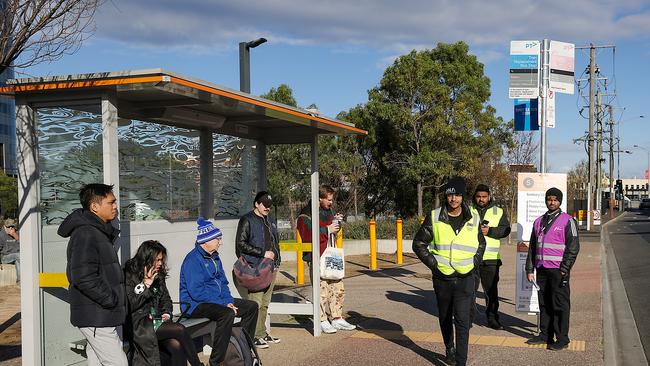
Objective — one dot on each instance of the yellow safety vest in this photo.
(493, 215)
(454, 253)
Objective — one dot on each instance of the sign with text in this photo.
(525, 293)
(561, 62)
(526, 115)
(550, 109)
(524, 69)
(531, 203)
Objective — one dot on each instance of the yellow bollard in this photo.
(339, 238)
(373, 245)
(300, 264)
(399, 241)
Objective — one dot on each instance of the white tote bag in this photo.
(332, 262)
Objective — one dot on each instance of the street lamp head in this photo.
(255, 43)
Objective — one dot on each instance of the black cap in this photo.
(264, 198)
(455, 185)
(554, 192)
(482, 188)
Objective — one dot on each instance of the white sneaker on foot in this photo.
(326, 327)
(341, 324)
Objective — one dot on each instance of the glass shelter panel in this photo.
(69, 155)
(235, 177)
(159, 172)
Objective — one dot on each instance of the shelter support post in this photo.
(206, 173)
(315, 236)
(28, 191)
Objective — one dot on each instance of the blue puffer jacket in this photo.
(203, 280)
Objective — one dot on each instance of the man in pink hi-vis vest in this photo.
(552, 252)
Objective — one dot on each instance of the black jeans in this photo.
(455, 298)
(489, 281)
(554, 305)
(224, 317)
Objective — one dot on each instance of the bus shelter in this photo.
(174, 148)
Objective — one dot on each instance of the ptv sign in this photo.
(524, 70)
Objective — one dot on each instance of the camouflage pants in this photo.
(332, 295)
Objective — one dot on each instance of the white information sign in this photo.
(524, 70)
(526, 293)
(550, 109)
(531, 190)
(562, 59)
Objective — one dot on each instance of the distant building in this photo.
(7, 129)
(635, 188)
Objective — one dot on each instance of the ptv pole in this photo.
(543, 100)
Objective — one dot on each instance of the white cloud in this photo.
(388, 25)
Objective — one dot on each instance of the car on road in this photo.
(644, 204)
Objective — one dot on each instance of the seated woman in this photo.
(148, 328)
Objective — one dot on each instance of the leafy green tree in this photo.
(428, 120)
(8, 195)
(287, 164)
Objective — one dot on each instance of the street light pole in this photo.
(245, 63)
(245, 86)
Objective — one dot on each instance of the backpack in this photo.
(241, 350)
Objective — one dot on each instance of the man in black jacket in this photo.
(494, 226)
(97, 295)
(257, 238)
(451, 244)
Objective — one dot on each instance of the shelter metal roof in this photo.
(161, 96)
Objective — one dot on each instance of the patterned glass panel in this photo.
(159, 172)
(69, 155)
(235, 175)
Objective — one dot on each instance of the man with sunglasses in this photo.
(10, 246)
(256, 239)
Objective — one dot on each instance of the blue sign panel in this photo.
(526, 115)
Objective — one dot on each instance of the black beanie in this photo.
(554, 192)
(482, 188)
(455, 185)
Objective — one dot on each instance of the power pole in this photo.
(599, 150)
(611, 161)
(592, 109)
(543, 101)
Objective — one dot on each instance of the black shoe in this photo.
(494, 324)
(450, 356)
(538, 339)
(557, 346)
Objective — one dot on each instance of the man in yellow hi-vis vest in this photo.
(451, 244)
(494, 225)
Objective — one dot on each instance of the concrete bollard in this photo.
(373, 244)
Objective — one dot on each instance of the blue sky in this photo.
(332, 52)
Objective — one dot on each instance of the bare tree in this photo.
(35, 31)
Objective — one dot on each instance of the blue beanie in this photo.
(207, 231)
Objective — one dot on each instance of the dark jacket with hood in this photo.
(96, 290)
(138, 329)
(502, 230)
(424, 236)
(255, 235)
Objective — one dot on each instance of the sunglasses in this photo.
(10, 227)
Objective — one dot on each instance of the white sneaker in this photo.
(326, 327)
(341, 324)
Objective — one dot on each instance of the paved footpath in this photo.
(394, 308)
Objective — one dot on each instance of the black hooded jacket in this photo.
(96, 279)
(424, 236)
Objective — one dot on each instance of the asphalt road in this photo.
(630, 241)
